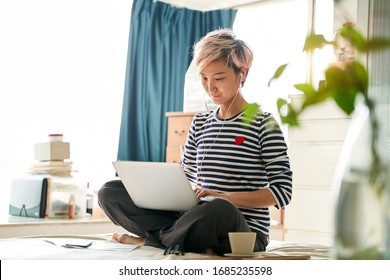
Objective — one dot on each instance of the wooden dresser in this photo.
(178, 127)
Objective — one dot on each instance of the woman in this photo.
(239, 168)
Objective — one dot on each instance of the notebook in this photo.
(156, 185)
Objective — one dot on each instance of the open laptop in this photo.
(156, 185)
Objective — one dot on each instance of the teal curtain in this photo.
(159, 53)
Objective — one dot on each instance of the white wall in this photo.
(62, 68)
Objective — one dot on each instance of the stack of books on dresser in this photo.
(52, 157)
(53, 167)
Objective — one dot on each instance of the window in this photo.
(276, 32)
(62, 70)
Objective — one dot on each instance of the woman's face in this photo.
(220, 82)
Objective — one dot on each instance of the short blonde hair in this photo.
(221, 44)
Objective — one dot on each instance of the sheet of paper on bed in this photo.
(81, 243)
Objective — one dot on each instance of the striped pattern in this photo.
(234, 156)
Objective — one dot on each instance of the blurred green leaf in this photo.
(315, 41)
(281, 103)
(250, 112)
(288, 115)
(278, 73)
(316, 98)
(356, 39)
(345, 100)
(311, 95)
(337, 78)
(341, 84)
(375, 44)
(359, 76)
(307, 89)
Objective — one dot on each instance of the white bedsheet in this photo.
(37, 248)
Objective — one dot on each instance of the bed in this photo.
(52, 247)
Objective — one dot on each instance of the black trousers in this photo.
(204, 226)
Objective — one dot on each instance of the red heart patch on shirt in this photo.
(239, 140)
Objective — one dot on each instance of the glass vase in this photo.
(362, 196)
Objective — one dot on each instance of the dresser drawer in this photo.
(173, 154)
(311, 209)
(319, 130)
(178, 127)
(314, 164)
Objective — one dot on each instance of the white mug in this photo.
(242, 243)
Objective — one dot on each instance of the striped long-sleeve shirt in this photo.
(233, 156)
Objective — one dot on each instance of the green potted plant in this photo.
(362, 187)
(347, 84)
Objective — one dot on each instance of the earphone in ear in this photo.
(241, 77)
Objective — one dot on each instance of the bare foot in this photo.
(210, 251)
(128, 239)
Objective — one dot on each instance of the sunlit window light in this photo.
(62, 71)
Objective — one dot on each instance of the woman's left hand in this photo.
(253, 199)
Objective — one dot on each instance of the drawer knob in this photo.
(180, 133)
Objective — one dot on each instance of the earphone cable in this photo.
(216, 138)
